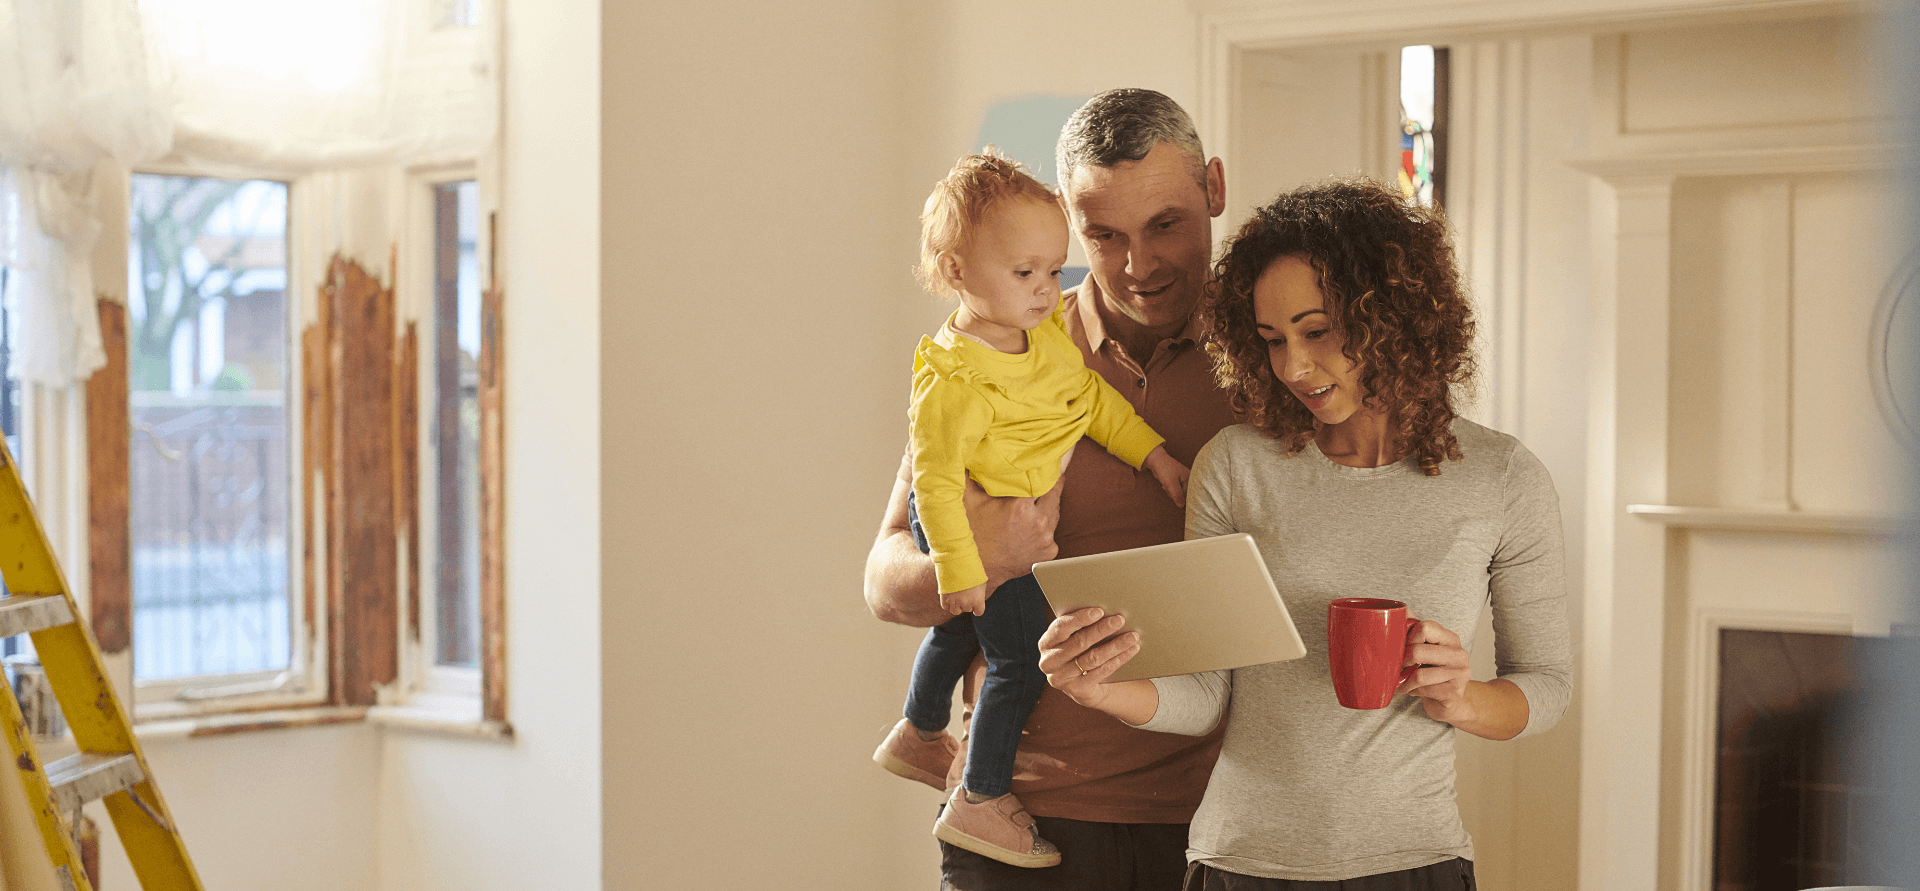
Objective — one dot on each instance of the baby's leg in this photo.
(944, 657)
(1017, 614)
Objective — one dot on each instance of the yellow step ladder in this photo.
(109, 764)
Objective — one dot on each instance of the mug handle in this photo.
(1408, 670)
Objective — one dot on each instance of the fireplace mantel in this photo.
(1800, 522)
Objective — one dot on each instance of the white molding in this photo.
(1775, 298)
(1623, 647)
(1253, 24)
(1486, 202)
(1790, 522)
(1746, 162)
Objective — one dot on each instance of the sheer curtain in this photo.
(279, 87)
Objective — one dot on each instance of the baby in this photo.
(1000, 396)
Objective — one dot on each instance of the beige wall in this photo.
(763, 169)
(753, 226)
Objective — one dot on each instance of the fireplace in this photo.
(1794, 801)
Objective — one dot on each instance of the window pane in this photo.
(456, 422)
(1423, 106)
(9, 387)
(207, 366)
(9, 409)
(455, 13)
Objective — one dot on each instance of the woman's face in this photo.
(1290, 314)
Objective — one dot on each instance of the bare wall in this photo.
(763, 168)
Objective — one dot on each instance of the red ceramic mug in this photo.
(1366, 649)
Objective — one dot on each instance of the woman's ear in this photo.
(949, 266)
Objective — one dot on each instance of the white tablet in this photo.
(1199, 605)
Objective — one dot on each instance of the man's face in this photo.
(1145, 225)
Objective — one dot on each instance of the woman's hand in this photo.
(1496, 710)
(1440, 680)
(1083, 648)
(1075, 660)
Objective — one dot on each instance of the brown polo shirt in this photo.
(1075, 762)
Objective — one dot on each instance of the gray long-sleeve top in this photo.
(1306, 789)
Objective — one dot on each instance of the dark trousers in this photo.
(1093, 857)
(1447, 875)
(1009, 633)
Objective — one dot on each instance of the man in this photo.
(1140, 195)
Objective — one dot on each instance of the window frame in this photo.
(306, 680)
(429, 685)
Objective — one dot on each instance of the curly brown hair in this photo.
(1386, 269)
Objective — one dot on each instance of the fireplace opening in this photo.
(1794, 801)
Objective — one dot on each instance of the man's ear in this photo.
(949, 265)
(1216, 188)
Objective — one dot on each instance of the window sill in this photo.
(439, 722)
(246, 722)
(405, 719)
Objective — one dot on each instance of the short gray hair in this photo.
(1124, 125)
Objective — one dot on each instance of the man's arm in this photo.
(1011, 533)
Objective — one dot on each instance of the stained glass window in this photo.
(1423, 110)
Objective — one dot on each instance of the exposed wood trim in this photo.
(406, 482)
(284, 721)
(364, 619)
(316, 406)
(493, 577)
(109, 441)
(388, 718)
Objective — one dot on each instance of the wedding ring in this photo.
(1076, 664)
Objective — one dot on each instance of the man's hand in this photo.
(1170, 472)
(1011, 534)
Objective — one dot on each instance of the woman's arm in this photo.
(1532, 650)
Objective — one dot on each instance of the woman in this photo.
(1340, 329)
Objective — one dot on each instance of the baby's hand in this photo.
(1171, 473)
(972, 600)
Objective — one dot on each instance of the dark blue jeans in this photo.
(1009, 634)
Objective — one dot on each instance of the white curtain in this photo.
(280, 87)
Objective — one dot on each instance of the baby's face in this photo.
(1010, 275)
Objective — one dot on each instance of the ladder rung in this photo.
(90, 776)
(27, 613)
